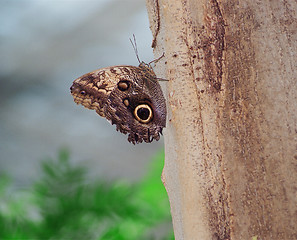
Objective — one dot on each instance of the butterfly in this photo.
(128, 96)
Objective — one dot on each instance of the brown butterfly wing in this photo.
(142, 89)
(128, 96)
(93, 89)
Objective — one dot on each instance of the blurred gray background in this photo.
(44, 46)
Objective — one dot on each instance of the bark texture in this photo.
(231, 136)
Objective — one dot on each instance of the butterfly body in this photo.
(128, 96)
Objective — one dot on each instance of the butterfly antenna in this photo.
(134, 45)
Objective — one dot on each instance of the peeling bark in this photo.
(231, 137)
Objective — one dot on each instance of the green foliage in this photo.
(65, 204)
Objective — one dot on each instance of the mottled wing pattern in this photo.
(93, 89)
(128, 96)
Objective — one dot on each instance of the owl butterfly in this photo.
(129, 97)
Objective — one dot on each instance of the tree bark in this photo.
(230, 142)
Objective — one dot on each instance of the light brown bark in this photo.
(230, 142)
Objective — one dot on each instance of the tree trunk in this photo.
(230, 142)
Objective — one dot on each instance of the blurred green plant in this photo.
(65, 204)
